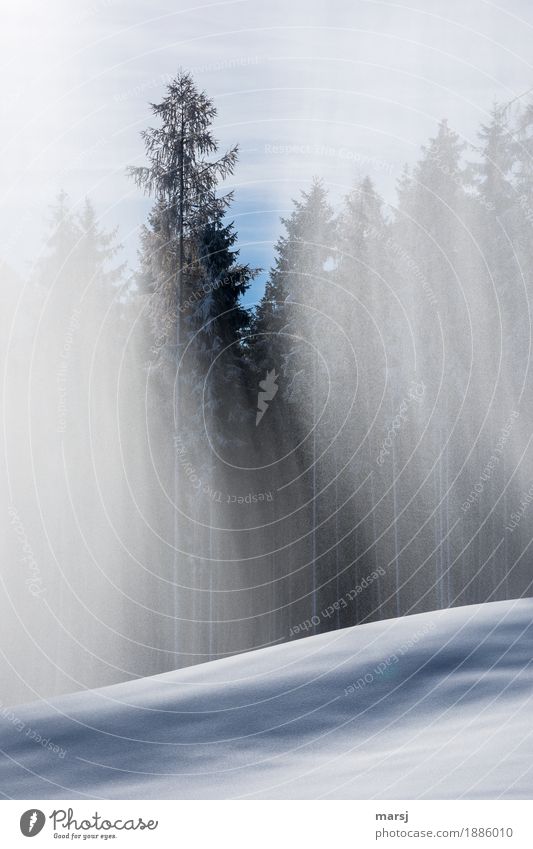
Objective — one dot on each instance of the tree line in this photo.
(353, 447)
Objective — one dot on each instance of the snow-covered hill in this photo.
(437, 705)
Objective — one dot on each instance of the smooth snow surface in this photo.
(443, 709)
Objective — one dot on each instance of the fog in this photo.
(374, 461)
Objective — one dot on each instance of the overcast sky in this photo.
(337, 89)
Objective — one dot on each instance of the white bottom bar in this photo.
(268, 824)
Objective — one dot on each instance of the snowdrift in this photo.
(436, 705)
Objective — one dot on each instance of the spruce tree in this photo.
(365, 312)
(194, 281)
(432, 227)
(290, 327)
(182, 179)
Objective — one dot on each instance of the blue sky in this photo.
(335, 89)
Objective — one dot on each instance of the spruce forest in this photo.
(350, 446)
